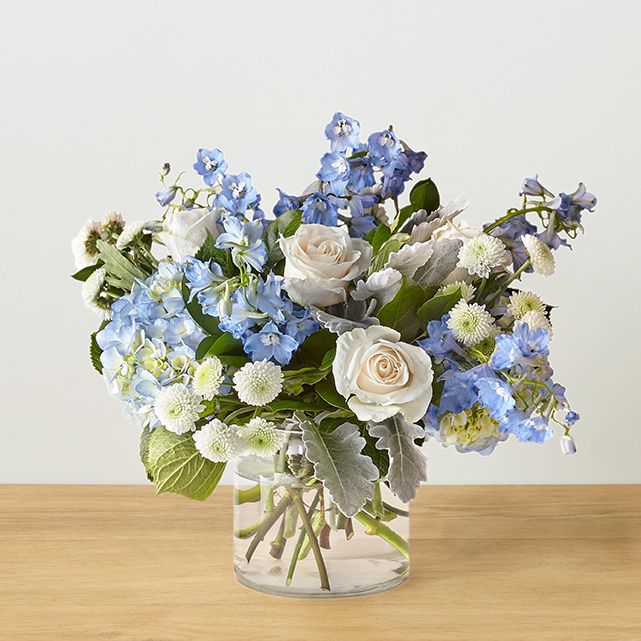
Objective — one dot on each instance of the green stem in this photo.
(322, 570)
(396, 510)
(246, 532)
(375, 527)
(300, 541)
(248, 495)
(266, 525)
(513, 213)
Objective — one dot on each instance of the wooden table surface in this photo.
(489, 563)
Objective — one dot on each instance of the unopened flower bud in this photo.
(165, 169)
(568, 446)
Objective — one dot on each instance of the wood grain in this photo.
(489, 563)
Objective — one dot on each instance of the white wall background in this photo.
(96, 95)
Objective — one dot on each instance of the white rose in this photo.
(320, 262)
(380, 376)
(184, 232)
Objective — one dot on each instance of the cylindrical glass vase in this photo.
(291, 539)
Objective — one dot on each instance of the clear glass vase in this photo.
(290, 538)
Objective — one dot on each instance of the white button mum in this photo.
(467, 289)
(535, 319)
(216, 442)
(83, 246)
(208, 378)
(258, 383)
(380, 376)
(178, 407)
(131, 232)
(481, 254)
(470, 323)
(93, 295)
(522, 302)
(540, 255)
(261, 437)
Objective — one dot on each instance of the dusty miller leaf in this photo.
(347, 474)
(441, 264)
(347, 316)
(121, 272)
(407, 466)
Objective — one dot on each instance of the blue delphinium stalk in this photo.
(334, 171)
(238, 194)
(319, 209)
(342, 132)
(210, 164)
(245, 241)
(285, 203)
(384, 147)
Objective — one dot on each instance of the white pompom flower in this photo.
(258, 383)
(208, 378)
(467, 290)
(113, 226)
(535, 319)
(132, 232)
(216, 442)
(521, 302)
(178, 407)
(94, 296)
(481, 254)
(540, 255)
(261, 437)
(84, 245)
(470, 323)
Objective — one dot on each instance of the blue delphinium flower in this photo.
(210, 163)
(285, 203)
(268, 297)
(342, 132)
(440, 343)
(570, 206)
(384, 147)
(533, 187)
(201, 276)
(300, 323)
(571, 417)
(395, 174)
(245, 242)
(530, 429)
(319, 209)
(166, 196)
(238, 194)
(270, 344)
(335, 171)
(510, 233)
(416, 160)
(361, 174)
(496, 395)
(520, 347)
(361, 223)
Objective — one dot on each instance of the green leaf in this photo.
(294, 380)
(85, 272)
(222, 257)
(393, 244)
(315, 347)
(328, 359)
(290, 404)
(208, 323)
(176, 465)
(424, 195)
(145, 437)
(120, 270)
(407, 466)
(234, 361)
(401, 313)
(94, 353)
(378, 236)
(347, 474)
(218, 345)
(438, 305)
(327, 391)
(285, 225)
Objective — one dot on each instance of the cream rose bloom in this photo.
(380, 376)
(320, 262)
(184, 232)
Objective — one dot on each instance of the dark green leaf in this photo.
(424, 195)
(208, 323)
(378, 236)
(438, 305)
(285, 225)
(95, 353)
(327, 391)
(392, 244)
(293, 405)
(314, 348)
(401, 313)
(294, 380)
(85, 272)
(234, 361)
(328, 359)
(218, 345)
(222, 257)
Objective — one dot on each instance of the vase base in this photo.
(296, 592)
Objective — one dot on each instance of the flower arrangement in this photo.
(366, 325)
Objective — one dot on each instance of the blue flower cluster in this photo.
(150, 342)
(257, 312)
(355, 177)
(563, 213)
(512, 393)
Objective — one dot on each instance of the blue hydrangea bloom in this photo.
(496, 395)
(319, 209)
(269, 343)
(335, 171)
(459, 390)
(342, 132)
(384, 147)
(530, 429)
(238, 194)
(245, 241)
(210, 163)
(285, 203)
